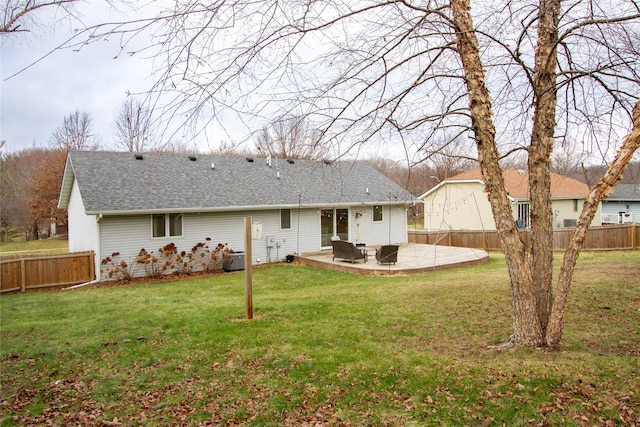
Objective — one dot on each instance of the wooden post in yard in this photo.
(248, 279)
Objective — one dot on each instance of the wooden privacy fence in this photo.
(22, 274)
(626, 236)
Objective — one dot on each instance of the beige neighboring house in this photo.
(461, 203)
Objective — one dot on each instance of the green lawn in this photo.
(35, 247)
(325, 348)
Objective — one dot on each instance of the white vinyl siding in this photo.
(393, 230)
(564, 214)
(459, 206)
(83, 231)
(126, 235)
(465, 206)
(614, 208)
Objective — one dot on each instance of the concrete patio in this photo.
(412, 258)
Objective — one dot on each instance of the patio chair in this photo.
(348, 251)
(387, 254)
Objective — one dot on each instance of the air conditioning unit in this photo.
(233, 262)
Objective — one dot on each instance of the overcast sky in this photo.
(36, 100)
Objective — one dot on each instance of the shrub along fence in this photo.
(21, 274)
(626, 236)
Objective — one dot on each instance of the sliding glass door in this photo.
(334, 222)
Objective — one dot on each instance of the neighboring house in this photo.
(623, 205)
(461, 203)
(123, 202)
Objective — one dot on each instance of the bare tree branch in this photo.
(15, 12)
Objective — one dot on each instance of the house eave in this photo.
(68, 177)
(460, 181)
(479, 181)
(621, 200)
(243, 208)
(581, 196)
(446, 182)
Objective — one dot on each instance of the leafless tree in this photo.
(290, 137)
(567, 159)
(513, 77)
(450, 157)
(75, 133)
(173, 146)
(133, 127)
(416, 179)
(17, 13)
(227, 148)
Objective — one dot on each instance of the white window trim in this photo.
(290, 220)
(167, 227)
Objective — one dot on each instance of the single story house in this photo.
(120, 202)
(623, 205)
(461, 203)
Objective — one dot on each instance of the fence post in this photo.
(634, 244)
(92, 265)
(23, 275)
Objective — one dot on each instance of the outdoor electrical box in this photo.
(256, 231)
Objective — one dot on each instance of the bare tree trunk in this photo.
(544, 124)
(35, 232)
(599, 192)
(526, 324)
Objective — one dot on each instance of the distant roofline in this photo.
(453, 180)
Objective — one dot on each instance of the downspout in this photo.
(81, 285)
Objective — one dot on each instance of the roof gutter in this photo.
(247, 208)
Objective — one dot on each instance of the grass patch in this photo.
(325, 348)
(35, 247)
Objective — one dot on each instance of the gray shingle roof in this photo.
(625, 192)
(116, 182)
